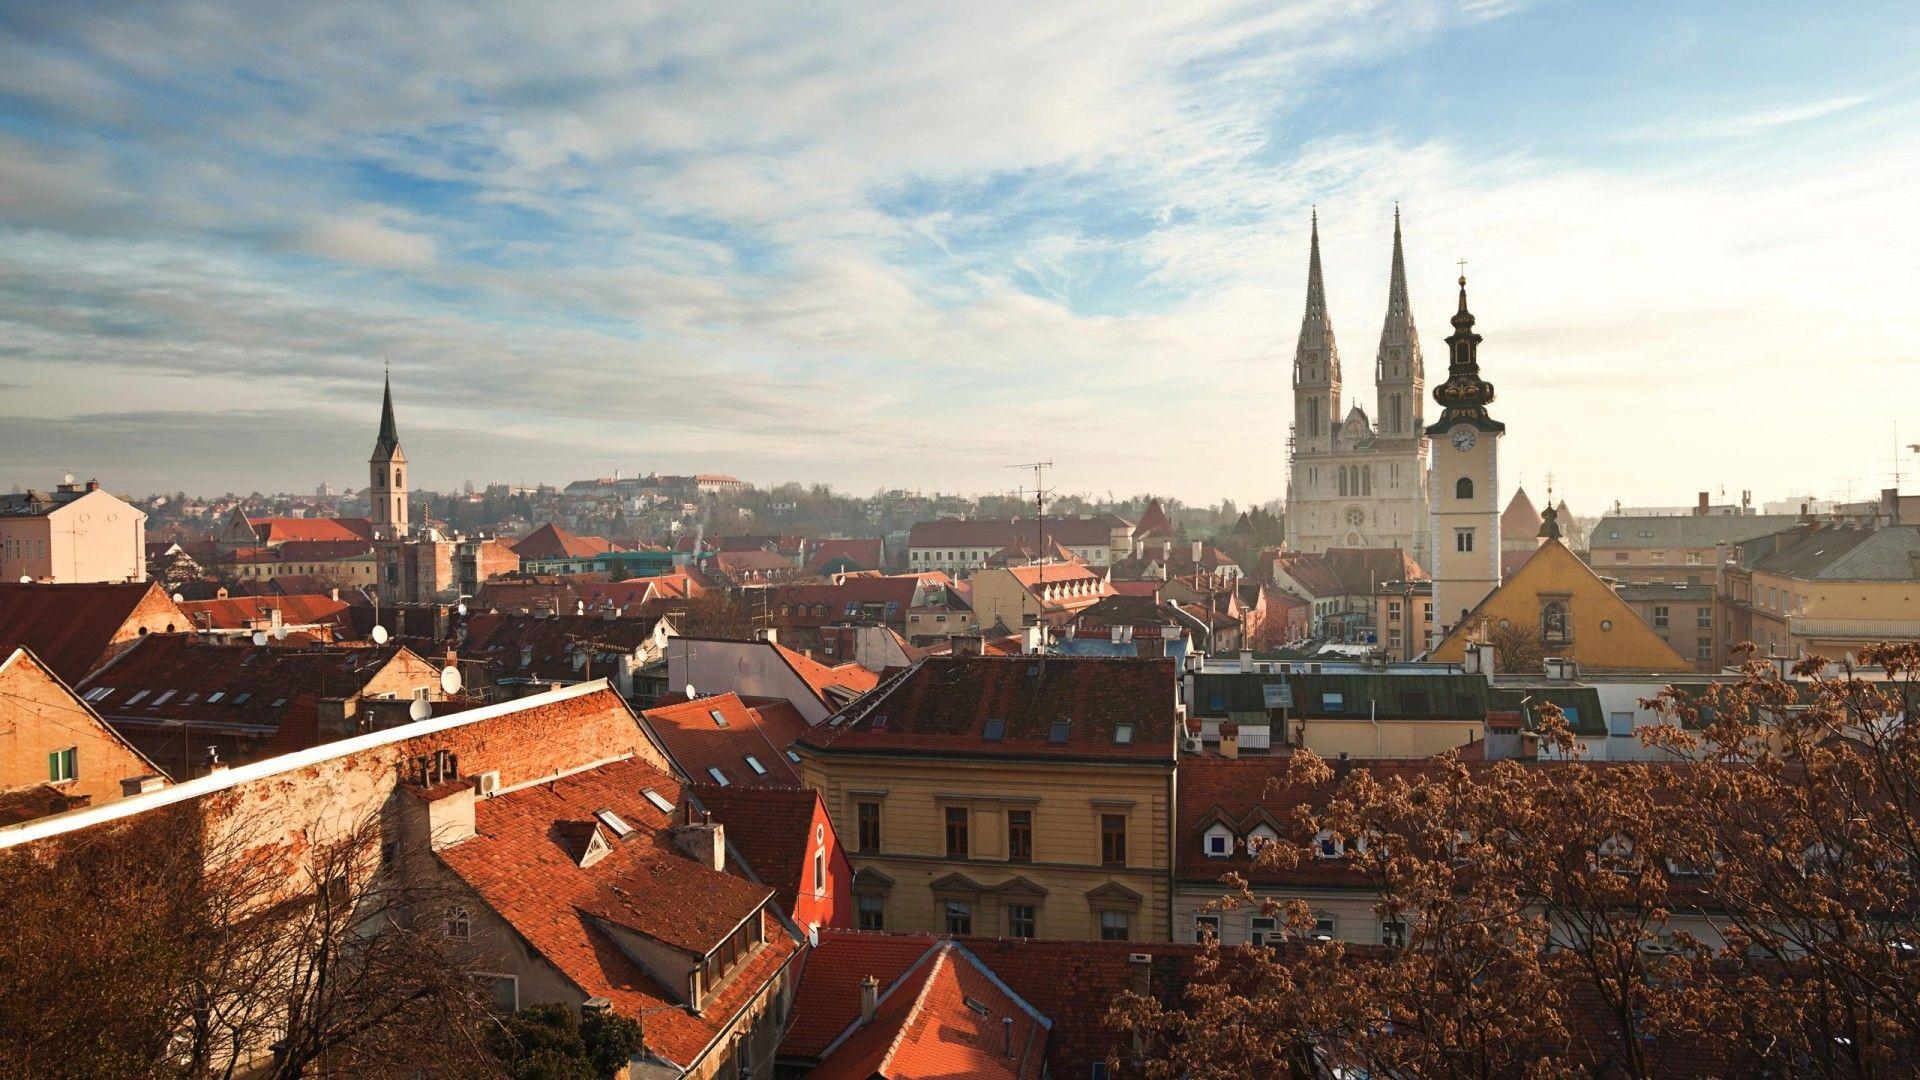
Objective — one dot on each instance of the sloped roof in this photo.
(942, 705)
(1890, 553)
(556, 647)
(170, 678)
(1362, 570)
(550, 541)
(771, 828)
(1520, 518)
(697, 742)
(1690, 531)
(70, 628)
(520, 867)
(824, 681)
(1153, 521)
(996, 533)
(280, 530)
(947, 1017)
(243, 612)
(864, 552)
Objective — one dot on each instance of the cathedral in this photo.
(1350, 483)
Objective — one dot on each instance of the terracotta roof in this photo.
(550, 541)
(944, 705)
(697, 743)
(243, 613)
(886, 599)
(302, 551)
(751, 562)
(1153, 521)
(521, 867)
(770, 828)
(996, 533)
(829, 683)
(1520, 518)
(944, 1018)
(865, 553)
(555, 646)
(71, 628)
(279, 530)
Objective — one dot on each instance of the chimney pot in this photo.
(1006, 1028)
(869, 999)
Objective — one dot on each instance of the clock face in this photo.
(1356, 516)
(1464, 438)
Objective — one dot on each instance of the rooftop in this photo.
(720, 733)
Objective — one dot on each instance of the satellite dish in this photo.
(280, 632)
(26, 579)
(379, 635)
(691, 692)
(462, 609)
(178, 598)
(67, 479)
(259, 637)
(450, 679)
(419, 710)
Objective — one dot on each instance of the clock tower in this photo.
(1464, 481)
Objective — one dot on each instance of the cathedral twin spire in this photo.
(1399, 374)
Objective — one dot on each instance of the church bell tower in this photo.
(387, 469)
(1464, 481)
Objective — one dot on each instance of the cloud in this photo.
(368, 241)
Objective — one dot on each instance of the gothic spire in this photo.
(1399, 372)
(1316, 358)
(389, 439)
(1316, 289)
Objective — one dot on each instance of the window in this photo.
(1206, 928)
(99, 693)
(1393, 611)
(503, 993)
(873, 909)
(165, 697)
(1057, 734)
(1021, 921)
(1219, 842)
(1463, 488)
(459, 924)
(1619, 556)
(1115, 926)
(959, 917)
(1113, 839)
(867, 814)
(1660, 618)
(1703, 649)
(793, 757)
(1123, 734)
(614, 822)
(1020, 835)
(820, 872)
(1097, 1070)
(1620, 723)
(995, 731)
(1333, 703)
(957, 832)
(1325, 845)
(718, 776)
(659, 801)
(1463, 539)
(1323, 926)
(1693, 558)
(1657, 556)
(1703, 618)
(754, 764)
(1393, 934)
(135, 699)
(718, 720)
(215, 697)
(63, 764)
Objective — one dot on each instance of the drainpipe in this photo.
(1372, 718)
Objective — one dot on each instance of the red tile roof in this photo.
(243, 613)
(255, 686)
(847, 679)
(945, 1018)
(1153, 521)
(72, 628)
(696, 743)
(554, 647)
(550, 541)
(819, 604)
(865, 553)
(273, 530)
(733, 563)
(299, 551)
(771, 828)
(942, 705)
(519, 866)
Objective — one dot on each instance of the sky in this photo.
(909, 245)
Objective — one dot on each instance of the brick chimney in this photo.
(869, 999)
(705, 843)
(1700, 509)
(1140, 973)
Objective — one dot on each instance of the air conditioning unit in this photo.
(487, 784)
(1193, 744)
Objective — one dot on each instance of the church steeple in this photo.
(1399, 373)
(1316, 361)
(1465, 395)
(387, 471)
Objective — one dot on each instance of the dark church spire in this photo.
(389, 440)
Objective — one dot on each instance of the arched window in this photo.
(1463, 488)
(1555, 628)
(1366, 479)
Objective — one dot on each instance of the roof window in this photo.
(214, 698)
(976, 1005)
(754, 764)
(613, 821)
(135, 699)
(880, 722)
(240, 699)
(995, 731)
(277, 702)
(99, 693)
(718, 776)
(793, 757)
(1058, 732)
(1123, 734)
(658, 800)
(161, 700)
(718, 720)
(1332, 702)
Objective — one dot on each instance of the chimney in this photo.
(768, 634)
(1246, 661)
(965, 644)
(869, 999)
(705, 843)
(93, 485)
(1889, 506)
(1342, 765)
(1006, 1038)
(1701, 509)
(1140, 973)
(1197, 544)
(1229, 740)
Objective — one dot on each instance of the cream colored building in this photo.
(1465, 481)
(77, 534)
(1822, 590)
(1044, 593)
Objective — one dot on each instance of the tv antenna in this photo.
(1040, 494)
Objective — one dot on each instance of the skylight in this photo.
(1058, 732)
(277, 702)
(240, 699)
(215, 697)
(135, 699)
(995, 731)
(793, 757)
(718, 720)
(613, 821)
(659, 801)
(161, 700)
(1123, 734)
(718, 776)
(99, 693)
(1333, 702)
(754, 764)
(976, 1005)
(880, 722)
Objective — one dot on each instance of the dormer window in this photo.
(1219, 842)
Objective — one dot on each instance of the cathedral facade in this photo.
(1355, 481)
